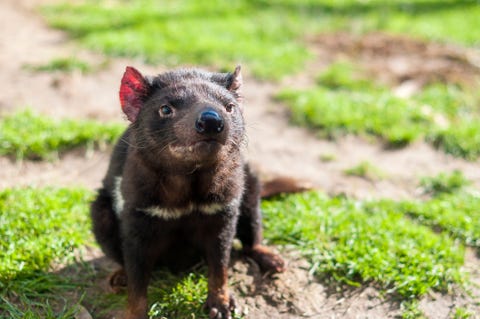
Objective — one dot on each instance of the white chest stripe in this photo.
(118, 201)
(175, 213)
(166, 213)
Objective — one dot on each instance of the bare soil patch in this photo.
(400, 60)
(275, 147)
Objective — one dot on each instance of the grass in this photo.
(39, 229)
(45, 227)
(462, 313)
(359, 242)
(444, 183)
(457, 214)
(405, 248)
(184, 299)
(365, 170)
(268, 36)
(344, 101)
(327, 157)
(68, 64)
(171, 296)
(25, 134)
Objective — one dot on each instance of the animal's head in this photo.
(192, 117)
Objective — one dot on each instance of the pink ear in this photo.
(133, 89)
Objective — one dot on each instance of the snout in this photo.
(209, 122)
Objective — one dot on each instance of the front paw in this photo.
(118, 281)
(267, 260)
(220, 306)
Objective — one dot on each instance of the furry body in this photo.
(177, 188)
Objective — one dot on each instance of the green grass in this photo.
(327, 157)
(404, 248)
(185, 299)
(462, 313)
(171, 296)
(411, 310)
(344, 101)
(40, 228)
(215, 33)
(68, 64)
(444, 183)
(457, 214)
(44, 227)
(357, 242)
(365, 170)
(26, 134)
(269, 36)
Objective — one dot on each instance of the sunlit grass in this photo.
(405, 248)
(345, 102)
(61, 64)
(365, 170)
(40, 228)
(357, 242)
(269, 36)
(25, 134)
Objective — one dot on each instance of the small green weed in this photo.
(343, 75)
(444, 183)
(62, 64)
(365, 170)
(185, 299)
(462, 313)
(327, 157)
(25, 134)
(461, 139)
(410, 310)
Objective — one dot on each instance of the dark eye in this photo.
(165, 110)
(230, 107)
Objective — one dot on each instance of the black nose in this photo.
(209, 122)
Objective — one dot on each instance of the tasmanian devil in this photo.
(178, 187)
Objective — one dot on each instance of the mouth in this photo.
(203, 144)
(198, 150)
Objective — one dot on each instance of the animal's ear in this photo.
(230, 81)
(235, 82)
(134, 88)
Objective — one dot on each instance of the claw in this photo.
(213, 313)
(118, 280)
(267, 260)
(218, 309)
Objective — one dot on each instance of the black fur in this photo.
(185, 195)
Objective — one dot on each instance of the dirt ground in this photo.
(274, 146)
